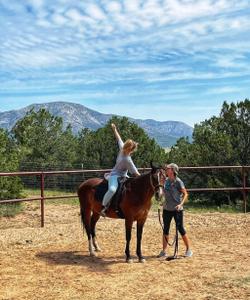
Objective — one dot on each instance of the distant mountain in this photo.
(165, 133)
(77, 115)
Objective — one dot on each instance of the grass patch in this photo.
(201, 208)
(52, 193)
(239, 282)
(189, 206)
(243, 281)
(195, 208)
(10, 209)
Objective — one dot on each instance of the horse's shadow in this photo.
(93, 263)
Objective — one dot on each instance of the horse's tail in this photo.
(82, 218)
(81, 208)
(85, 195)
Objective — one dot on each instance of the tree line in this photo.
(222, 140)
(40, 142)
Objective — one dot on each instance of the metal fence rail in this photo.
(244, 188)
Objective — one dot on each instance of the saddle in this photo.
(115, 201)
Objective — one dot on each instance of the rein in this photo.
(154, 187)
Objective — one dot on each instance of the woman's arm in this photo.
(116, 133)
(117, 136)
(132, 168)
(184, 198)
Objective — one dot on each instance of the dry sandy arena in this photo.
(53, 262)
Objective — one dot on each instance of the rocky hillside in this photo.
(165, 133)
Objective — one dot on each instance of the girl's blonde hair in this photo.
(130, 145)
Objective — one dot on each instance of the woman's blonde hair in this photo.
(130, 145)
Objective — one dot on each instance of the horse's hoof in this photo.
(142, 260)
(129, 260)
(92, 254)
(98, 249)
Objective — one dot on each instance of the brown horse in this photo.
(135, 204)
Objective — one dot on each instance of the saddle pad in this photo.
(100, 191)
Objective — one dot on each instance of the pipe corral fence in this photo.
(87, 174)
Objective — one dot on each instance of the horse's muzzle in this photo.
(159, 194)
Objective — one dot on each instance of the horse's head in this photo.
(157, 181)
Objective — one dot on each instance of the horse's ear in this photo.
(152, 165)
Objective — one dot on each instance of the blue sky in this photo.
(158, 59)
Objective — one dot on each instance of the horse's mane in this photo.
(138, 179)
(142, 175)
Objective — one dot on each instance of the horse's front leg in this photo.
(140, 225)
(128, 225)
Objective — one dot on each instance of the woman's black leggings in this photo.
(178, 217)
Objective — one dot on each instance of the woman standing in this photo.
(175, 196)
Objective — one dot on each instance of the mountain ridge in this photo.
(79, 116)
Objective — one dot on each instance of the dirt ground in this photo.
(53, 262)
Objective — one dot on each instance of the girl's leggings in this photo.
(178, 217)
(113, 185)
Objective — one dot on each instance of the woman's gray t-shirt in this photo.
(173, 193)
(124, 163)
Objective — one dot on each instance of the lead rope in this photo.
(176, 248)
(175, 240)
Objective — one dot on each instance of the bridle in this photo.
(159, 180)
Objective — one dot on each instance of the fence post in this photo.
(42, 198)
(244, 189)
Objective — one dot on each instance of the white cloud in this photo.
(142, 45)
(95, 12)
(59, 19)
(43, 23)
(113, 7)
(75, 15)
(132, 5)
(36, 3)
(224, 90)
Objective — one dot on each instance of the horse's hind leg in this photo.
(94, 218)
(86, 218)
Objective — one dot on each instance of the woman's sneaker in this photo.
(162, 254)
(189, 253)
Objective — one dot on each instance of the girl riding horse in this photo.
(123, 164)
